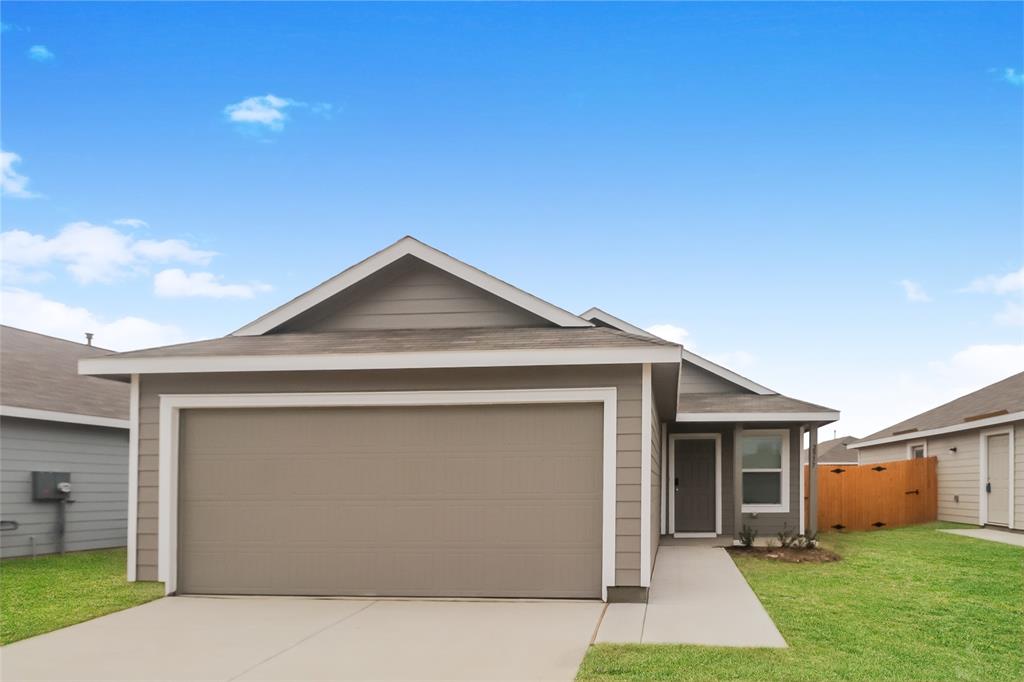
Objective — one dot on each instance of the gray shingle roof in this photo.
(404, 341)
(744, 402)
(835, 450)
(41, 373)
(1002, 397)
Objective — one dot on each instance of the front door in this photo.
(998, 486)
(695, 485)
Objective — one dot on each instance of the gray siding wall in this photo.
(97, 459)
(626, 378)
(422, 297)
(958, 474)
(693, 379)
(766, 524)
(656, 475)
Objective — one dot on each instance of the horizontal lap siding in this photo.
(626, 378)
(97, 459)
(656, 473)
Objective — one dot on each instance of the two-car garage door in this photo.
(482, 500)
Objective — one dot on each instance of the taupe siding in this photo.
(625, 378)
(958, 474)
(414, 295)
(97, 459)
(466, 501)
(693, 379)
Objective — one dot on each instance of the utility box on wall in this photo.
(47, 485)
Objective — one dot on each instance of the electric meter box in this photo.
(46, 485)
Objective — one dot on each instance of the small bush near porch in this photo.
(903, 604)
(50, 592)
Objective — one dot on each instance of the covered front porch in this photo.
(733, 461)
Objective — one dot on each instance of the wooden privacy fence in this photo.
(883, 495)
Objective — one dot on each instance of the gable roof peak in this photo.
(409, 246)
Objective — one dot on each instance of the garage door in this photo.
(497, 500)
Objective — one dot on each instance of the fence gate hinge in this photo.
(913, 492)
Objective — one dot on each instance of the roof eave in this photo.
(824, 417)
(115, 365)
(939, 431)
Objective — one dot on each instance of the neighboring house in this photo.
(835, 451)
(417, 427)
(979, 442)
(54, 420)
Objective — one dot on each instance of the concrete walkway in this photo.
(698, 596)
(991, 534)
(283, 638)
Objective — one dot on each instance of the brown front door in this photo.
(695, 485)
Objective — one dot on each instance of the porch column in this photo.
(737, 482)
(812, 479)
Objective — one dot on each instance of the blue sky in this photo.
(826, 197)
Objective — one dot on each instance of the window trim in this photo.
(923, 444)
(783, 506)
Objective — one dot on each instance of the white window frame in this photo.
(983, 437)
(673, 439)
(783, 506)
(917, 443)
(172, 404)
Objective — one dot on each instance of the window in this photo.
(917, 451)
(765, 471)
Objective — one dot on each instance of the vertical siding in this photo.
(625, 378)
(97, 459)
(1018, 475)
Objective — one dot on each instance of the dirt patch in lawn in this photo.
(817, 555)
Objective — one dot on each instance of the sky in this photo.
(826, 198)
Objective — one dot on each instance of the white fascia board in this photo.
(726, 374)
(65, 417)
(618, 323)
(917, 435)
(407, 246)
(355, 361)
(757, 416)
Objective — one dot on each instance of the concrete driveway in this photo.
(281, 638)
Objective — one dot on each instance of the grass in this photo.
(50, 592)
(903, 604)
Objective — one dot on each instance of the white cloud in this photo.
(981, 364)
(915, 292)
(1013, 77)
(41, 53)
(131, 222)
(268, 111)
(12, 183)
(33, 311)
(1012, 315)
(997, 284)
(91, 253)
(669, 332)
(176, 283)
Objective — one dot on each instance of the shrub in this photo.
(747, 536)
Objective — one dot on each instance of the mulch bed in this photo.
(788, 555)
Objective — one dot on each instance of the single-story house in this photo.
(414, 426)
(979, 442)
(55, 421)
(835, 451)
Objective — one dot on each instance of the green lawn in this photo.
(903, 604)
(51, 592)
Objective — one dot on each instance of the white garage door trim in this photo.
(172, 404)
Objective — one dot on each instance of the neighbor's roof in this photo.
(993, 402)
(739, 406)
(835, 451)
(39, 372)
